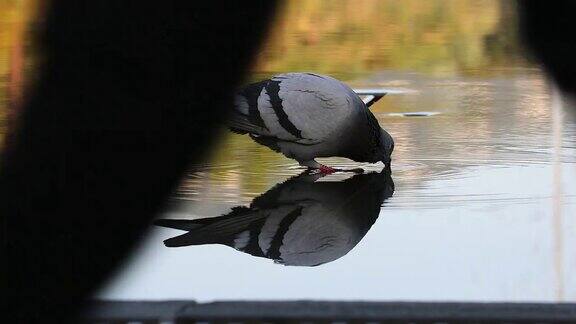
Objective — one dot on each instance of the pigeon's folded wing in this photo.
(315, 108)
(297, 107)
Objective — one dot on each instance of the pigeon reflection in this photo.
(300, 222)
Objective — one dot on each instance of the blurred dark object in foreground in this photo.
(127, 97)
(547, 29)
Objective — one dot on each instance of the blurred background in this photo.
(484, 203)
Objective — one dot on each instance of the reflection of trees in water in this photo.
(238, 169)
(502, 46)
(500, 121)
(360, 36)
(16, 54)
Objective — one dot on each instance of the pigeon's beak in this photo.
(387, 164)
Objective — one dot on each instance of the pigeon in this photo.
(301, 222)
(306, 115)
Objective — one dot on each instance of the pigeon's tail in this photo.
(190, 239)
(199, 232)
(241, 124)
(221, 230)
(181, 224)
(245, 117)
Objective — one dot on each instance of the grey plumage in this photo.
(306, 115)
(300, 222)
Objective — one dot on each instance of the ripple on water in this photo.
(414, 114)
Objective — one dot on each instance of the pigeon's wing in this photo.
(312, 106)
(297, 107)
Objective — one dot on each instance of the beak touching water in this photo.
(387, 166)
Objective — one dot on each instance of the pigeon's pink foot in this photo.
(326, 169)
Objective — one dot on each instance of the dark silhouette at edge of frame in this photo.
(129, 94)
(547, 30)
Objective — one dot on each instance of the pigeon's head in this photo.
(386, 148)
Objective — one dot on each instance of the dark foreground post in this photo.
(129, 94)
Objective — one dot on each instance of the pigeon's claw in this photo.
(324, 169)
(320, 168)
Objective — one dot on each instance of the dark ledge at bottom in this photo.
(296, 311)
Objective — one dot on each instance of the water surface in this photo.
(483, 208)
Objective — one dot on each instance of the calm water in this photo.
(480, 205)
(483, 208)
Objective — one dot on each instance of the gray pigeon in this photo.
(301, 222)
(305, 116)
